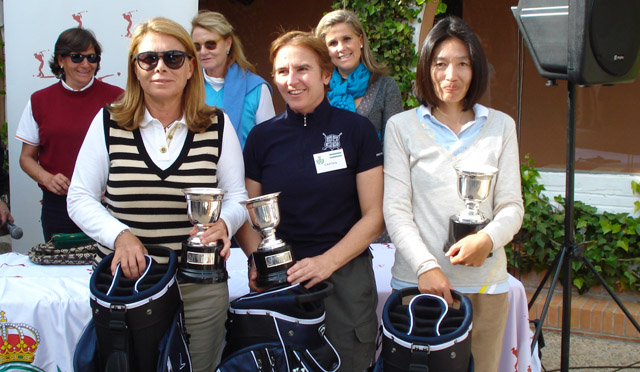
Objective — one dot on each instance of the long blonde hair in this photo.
(216, 22)
(129, 111)
(346, 16)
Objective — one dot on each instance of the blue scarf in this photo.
(343, 93)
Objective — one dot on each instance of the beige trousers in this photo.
(205, 312)
(489, 321)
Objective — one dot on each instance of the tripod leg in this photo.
(543, 282)
(560, 258)
(613, 295)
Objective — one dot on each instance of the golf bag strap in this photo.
(418, 361)
(414, 359)
(119, 359)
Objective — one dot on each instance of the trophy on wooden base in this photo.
(202, 263)
(273, 257)
(474, 185)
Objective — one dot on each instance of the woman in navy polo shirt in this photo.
(327, 164)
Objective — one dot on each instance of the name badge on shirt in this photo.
(329, 161)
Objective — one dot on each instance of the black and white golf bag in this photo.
(138, 324)
(420, 332)
(281, 330)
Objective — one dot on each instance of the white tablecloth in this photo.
(54, 300)
(516, 345)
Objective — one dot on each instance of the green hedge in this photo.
(388, 27)
(611, 241)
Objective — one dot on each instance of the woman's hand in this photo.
(5, 214)
(57, 184)
(472, 250)
(214, 232)
(435, 282)
(253, 276)
(129, 252)
(312, 270)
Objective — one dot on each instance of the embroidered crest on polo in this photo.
(331, 141)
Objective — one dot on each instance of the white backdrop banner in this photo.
(31, 30)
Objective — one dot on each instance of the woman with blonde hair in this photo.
(359, 82)
(230, 80)
(158, 139)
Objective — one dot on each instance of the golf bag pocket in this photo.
(420, 332)
(138, 324)
(281, 330)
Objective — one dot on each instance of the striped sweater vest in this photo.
(148, 199)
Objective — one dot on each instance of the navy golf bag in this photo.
(281, 330)
(138, 324)
(420, 332)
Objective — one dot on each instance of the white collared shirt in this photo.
(92, 171)
(164, 146)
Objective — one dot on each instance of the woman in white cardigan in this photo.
(421, 148)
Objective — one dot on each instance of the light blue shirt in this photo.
(442, 134)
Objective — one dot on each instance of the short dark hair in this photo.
(73, 40)
(448, 28)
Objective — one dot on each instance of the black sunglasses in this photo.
(174, 59)
(209, 44)
(78, 58)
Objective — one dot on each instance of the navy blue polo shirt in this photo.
(317, 210)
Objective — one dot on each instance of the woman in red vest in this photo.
(56, 119)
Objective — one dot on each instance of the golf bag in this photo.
(420, 332)
(138, 324)
(281, 330)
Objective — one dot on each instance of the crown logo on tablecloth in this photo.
(18, 341)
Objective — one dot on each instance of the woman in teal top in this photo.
(230, 80)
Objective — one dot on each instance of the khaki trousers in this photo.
(351, 319)
(205, 312)
(489, 321)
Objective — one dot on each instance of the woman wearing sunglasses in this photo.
(230, 80)
(159, 138)
(56, 119)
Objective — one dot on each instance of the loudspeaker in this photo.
(587, 42)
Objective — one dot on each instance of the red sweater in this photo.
(63, 118)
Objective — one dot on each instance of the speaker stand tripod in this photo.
(570, 250)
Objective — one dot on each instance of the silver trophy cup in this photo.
(273, 257)
(474, 185)
(202, 263)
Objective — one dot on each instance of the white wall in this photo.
(32, 27)
(609, 192)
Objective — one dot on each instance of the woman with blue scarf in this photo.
(359, 83)
(230, 80)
